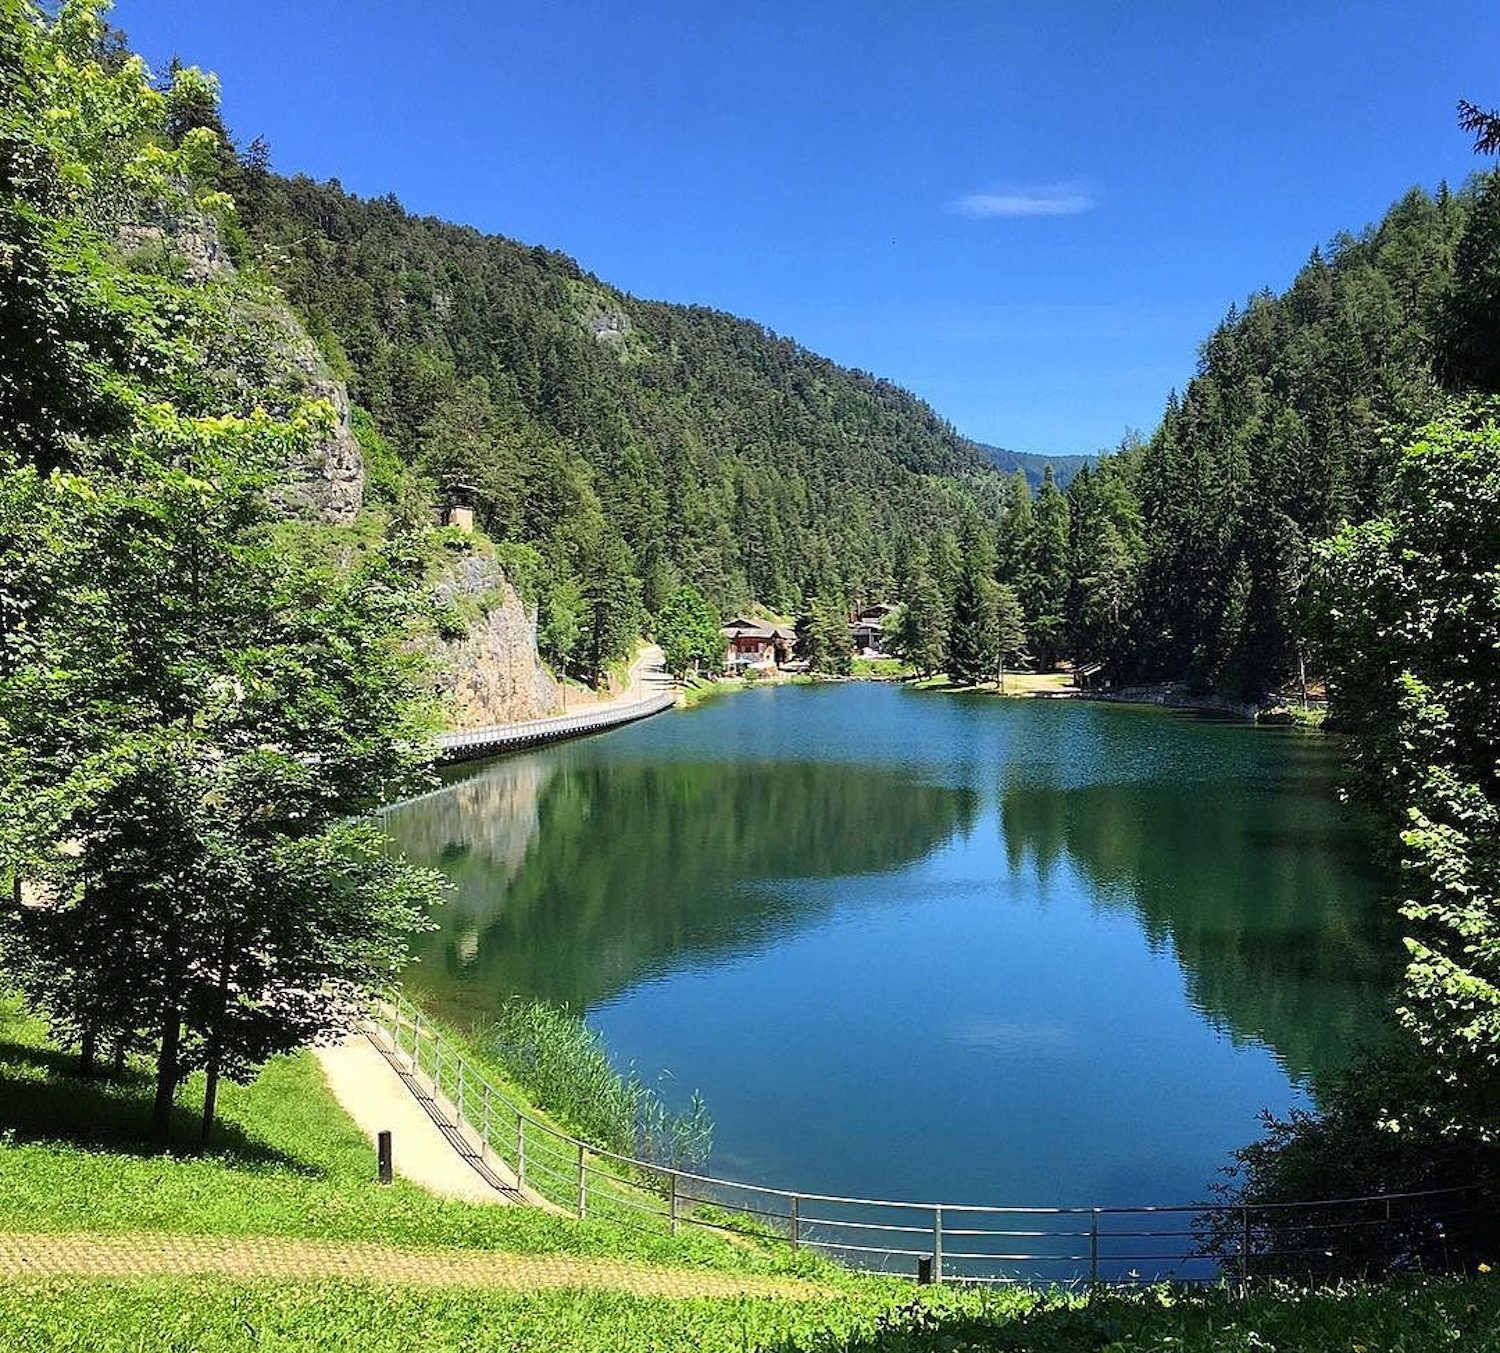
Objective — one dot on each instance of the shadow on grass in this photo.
(109, 1113)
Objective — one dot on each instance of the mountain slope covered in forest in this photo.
(664, 443)
(1034, 465)
(1290, 427)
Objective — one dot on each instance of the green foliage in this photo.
(216, 1315)
(1042, 585)
(1407, 611)
(688, 631)
(383, 469)
(1391, 1124)
(612, 612)
(971, 651)
(1466, 357)
(919, 629)
(201, 715)
(823, 639)
(1009, 634)
(1106, 550)
(1286, 431)
(724, 457)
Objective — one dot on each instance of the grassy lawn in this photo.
(214, 1316)
(286, 1161)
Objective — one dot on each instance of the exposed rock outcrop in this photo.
(492, 675)
(276, 360)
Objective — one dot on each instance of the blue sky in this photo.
(1028, 213)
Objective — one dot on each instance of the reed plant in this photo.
(566, 1068)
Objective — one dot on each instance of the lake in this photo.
(929, 945)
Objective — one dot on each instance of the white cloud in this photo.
(1048, 199)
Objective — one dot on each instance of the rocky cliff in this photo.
(273, 357)
(491, 674)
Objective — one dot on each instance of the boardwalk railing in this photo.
(503, 737)
(943, 1242)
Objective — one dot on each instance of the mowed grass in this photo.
(215, 1316)
(286, 1161)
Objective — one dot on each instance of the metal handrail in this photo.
(557, 1169)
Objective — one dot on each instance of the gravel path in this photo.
(28, 1257)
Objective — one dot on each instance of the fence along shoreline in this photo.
(941, 1242)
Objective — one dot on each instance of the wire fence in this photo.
(938, 1242)
(502, 737)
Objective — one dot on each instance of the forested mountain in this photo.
(660, 442)
(1289, 428)
(1034, 465)
(1185, 558)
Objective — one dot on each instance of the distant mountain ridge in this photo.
(1034, 465)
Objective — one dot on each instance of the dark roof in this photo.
(743, 627)
(758, 629)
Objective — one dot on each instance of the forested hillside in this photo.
(1034, 465)
(615, 436)
(1290, 427)
(621, 448)
(1185, 558)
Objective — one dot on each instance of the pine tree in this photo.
(1010, 631)
(823, 639)
(1044, 580)
(971, 650)
(919, 630)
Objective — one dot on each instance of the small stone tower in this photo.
(458, 505)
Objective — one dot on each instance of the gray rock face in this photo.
(493, 675)
(327, 482)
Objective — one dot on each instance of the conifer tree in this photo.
(1010, 631)
(971, 647)
(919, 629)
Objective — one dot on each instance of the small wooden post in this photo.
(937, 1245)
(672, 1201)
(796, 1222)
(383, 1154)
(1244, 1249)
(1094, 1247)
(924, 1269)
(520, 1150)
(583, 1179)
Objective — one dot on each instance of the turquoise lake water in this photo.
(923, 945)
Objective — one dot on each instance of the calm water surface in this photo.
(926, 945)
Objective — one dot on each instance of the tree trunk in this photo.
(88, 1052)
(168, 1073)
(216, 1038)
(119, 1056)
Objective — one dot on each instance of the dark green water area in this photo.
(923, 945)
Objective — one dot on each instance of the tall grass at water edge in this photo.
(565, 1067)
